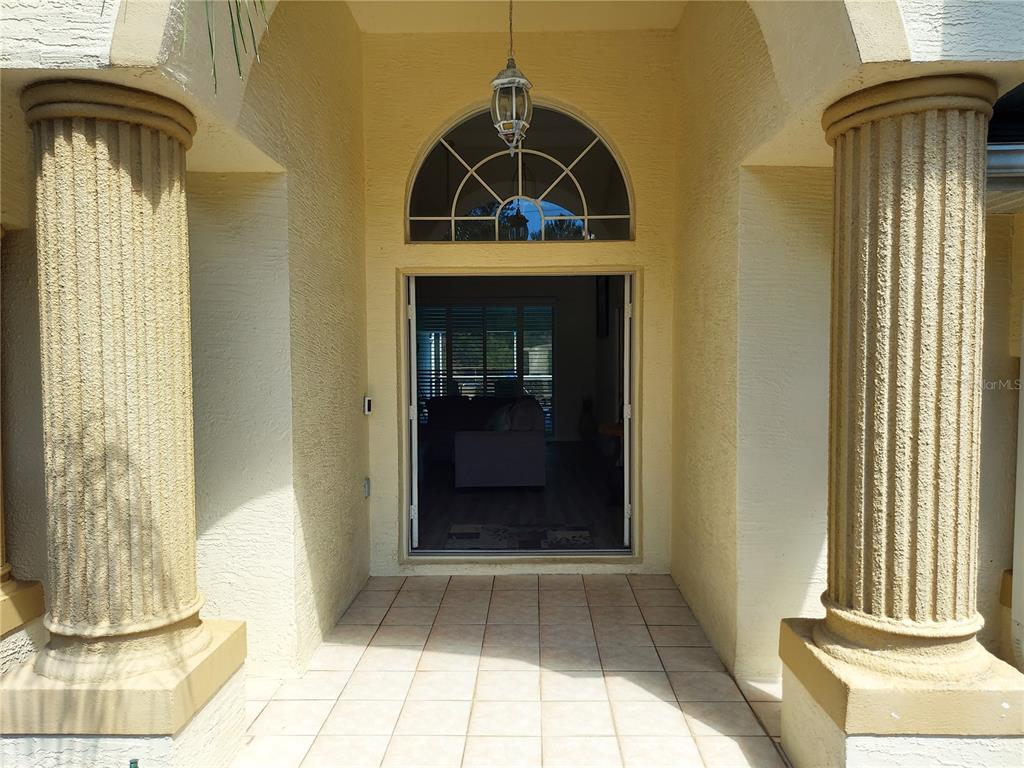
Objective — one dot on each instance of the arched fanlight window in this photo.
(562, 184)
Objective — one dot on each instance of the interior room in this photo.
(519, 433)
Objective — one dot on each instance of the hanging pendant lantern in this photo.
(511, 106)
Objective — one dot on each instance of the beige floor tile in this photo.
(622, 634)
(424, 752)
(446, 636)
(660, 752)
(418, 598)
(683, 659)
(668, 615)
(716, 718)
(253, 707)
(516, 581)
(678, 635)
(396, 634)
(659, 598)
(770, 715)
(561, 597)
(351, 634)
(362, 718)
(567, 634)
(373, 597)
(442, 686)
(739, 752)
(389, 583)
(513, 598)
(315, 684)
(572, 685)
(377, 686)
(456, 659)
(620, 614)
(412, 615)
(571, 657)
(564, 614)
(291, 718)
(576, 718)
(502, 752)
(505, 718)
(761, 690)
(426, 582)
(605, 581)
(581, 752)
(510, 658)
(513, 614)
(638, 686)
(371, 614)
(511, 634)
(346, 752)
(462, 614)
(273, 752)
(507, 686)
(649, 718)
(613, 597)
(471, 582)
(704, 686)
(561, 581)
(336, 657)
(434, 718)
(390, 658)
(466, 597)
(651, 581)
(635, 658)
(261, 688)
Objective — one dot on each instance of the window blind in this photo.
(504, 350)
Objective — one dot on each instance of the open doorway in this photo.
(520, 414)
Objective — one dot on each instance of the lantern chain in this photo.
(511, 49)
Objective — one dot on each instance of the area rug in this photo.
(469, 536)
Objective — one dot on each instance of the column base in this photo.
(20, 602)
(211, 739)
(836, 714)
(150, 704)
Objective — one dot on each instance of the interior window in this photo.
(562, 184)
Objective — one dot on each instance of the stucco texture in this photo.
(403, 118)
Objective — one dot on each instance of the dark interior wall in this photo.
(585, 366)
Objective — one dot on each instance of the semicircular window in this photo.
(562, 184)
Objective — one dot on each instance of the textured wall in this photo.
(785, 245)
(402, 117)
(999, 403)
(312, 67)
(245, 502)
(722, 62)
(53, 34)
(968, 30)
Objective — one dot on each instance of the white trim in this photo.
(627, 410)
(413, 421)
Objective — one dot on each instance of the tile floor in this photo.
(485, 672)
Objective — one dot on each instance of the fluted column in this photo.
(905, 404)
(112, 244)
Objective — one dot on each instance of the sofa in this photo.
(492, 442)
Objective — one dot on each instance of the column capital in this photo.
(51, 99)
(902, 97)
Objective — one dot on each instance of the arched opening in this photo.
(564, 183)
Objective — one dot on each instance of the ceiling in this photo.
(403, 16)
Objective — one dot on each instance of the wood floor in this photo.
(583, 495)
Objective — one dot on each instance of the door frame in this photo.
(632, 387)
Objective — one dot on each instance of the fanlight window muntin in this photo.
(466, 191)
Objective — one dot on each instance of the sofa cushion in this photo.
(526, 415)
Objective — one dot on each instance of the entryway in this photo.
(520, 414)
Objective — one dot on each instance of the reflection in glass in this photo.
(519, 219)
(563, 229)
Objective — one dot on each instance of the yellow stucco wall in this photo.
(727, 104)
(415, 86)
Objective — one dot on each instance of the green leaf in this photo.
(213, 48)
(238, 21)
(234, 39)
(252, 32)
